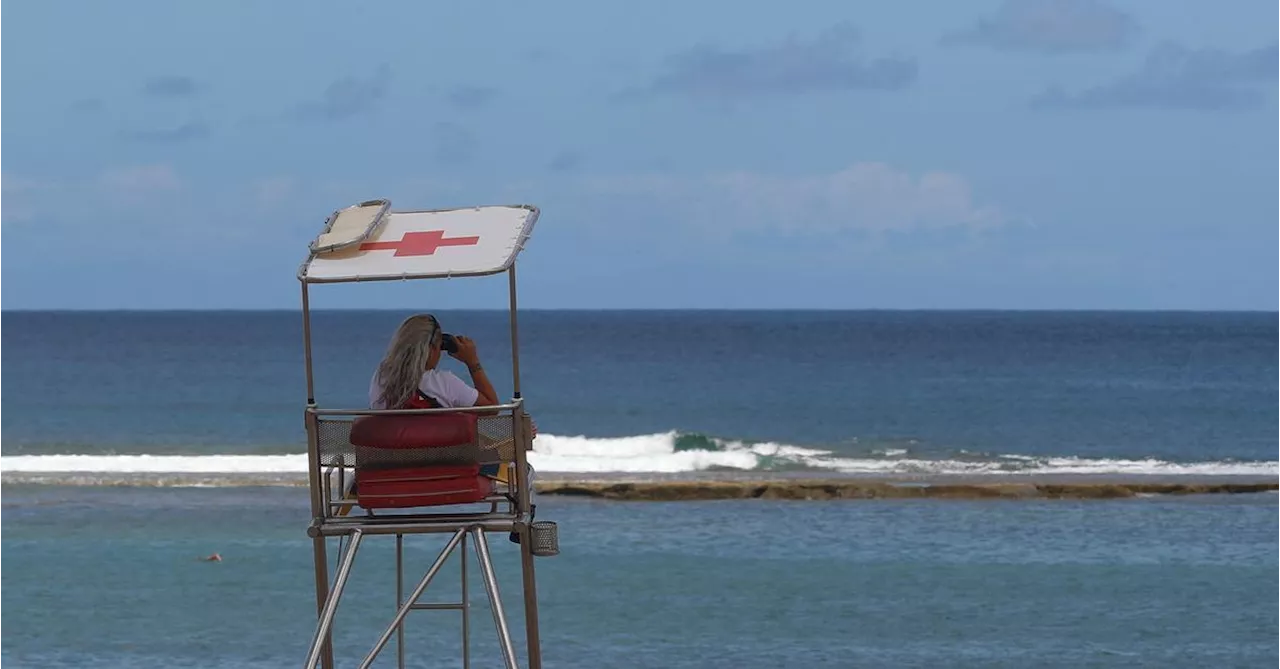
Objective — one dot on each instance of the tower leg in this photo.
(466, 609)
(400, 599)
(495, 601)
(530, 599)
(331, 602)
(322, 593)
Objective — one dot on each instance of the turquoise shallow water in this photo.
(103, 576)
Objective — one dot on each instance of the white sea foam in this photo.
(646, 453)
(156, 464)
(1038, 466)
(657, 453)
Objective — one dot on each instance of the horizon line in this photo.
(645, 309)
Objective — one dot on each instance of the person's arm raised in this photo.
(467, 355)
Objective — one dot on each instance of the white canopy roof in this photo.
(369, 242)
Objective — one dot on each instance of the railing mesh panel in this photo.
(495, 444)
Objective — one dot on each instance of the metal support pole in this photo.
(515, 338)
(532, 637)
(524, 490)
(400, 599)
(322, 594)
(319, 549)
(331, 602)
(495, 600)
(318, 509)
(466, 608)
(413, 598)
(306, 343)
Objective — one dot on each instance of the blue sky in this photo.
(1072, 154)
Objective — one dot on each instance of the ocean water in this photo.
(103, 574)
(109, 577)
(674, 392)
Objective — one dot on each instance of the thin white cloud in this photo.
(18, 195)
(866, 197)
(273, 190)
(140, 179)
(169, 135)
(12, 184)
(74, 203)
(12, 213)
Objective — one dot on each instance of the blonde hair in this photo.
(406, 360)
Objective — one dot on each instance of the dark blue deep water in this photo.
(833, 391)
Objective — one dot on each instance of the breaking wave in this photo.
(662, 453)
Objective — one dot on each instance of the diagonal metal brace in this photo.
(413, 598)
(331, 603)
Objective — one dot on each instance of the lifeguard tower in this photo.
(418, 471)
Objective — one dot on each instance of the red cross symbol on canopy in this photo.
(419, 243)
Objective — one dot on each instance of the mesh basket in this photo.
(545, 538)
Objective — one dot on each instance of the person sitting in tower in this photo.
(409, 376)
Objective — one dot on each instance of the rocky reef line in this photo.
(665, 491)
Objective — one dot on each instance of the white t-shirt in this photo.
(449, 391)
